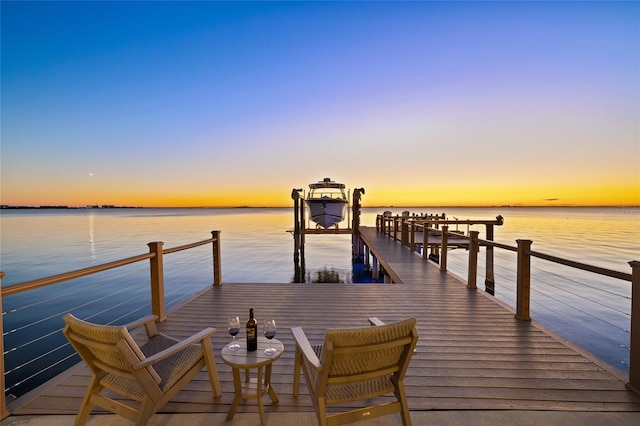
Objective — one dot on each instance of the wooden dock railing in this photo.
(156, 267)
(407, 228)
(404, 228)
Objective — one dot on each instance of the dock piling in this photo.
(634, 346)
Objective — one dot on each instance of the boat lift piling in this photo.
(300, 230)
(356, 242)
(298, 237)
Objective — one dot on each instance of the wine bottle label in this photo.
(251, 332)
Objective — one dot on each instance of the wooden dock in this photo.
(473, 354)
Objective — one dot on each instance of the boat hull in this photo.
(326, 211)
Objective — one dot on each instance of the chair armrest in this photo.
(198, 337)
(375, 321)
(305, 347)
(140, 322)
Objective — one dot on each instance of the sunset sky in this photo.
(224, 104)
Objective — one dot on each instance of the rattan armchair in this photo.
(149, 374)
(356, 364)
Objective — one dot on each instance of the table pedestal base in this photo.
(252, 389)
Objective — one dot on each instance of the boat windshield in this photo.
(336, 193)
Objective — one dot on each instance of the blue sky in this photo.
(421, 103)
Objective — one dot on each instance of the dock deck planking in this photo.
(473, 354)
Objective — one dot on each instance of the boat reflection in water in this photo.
(327, 202)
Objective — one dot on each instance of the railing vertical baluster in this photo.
(523, 295)
(473, 259)
(443, 248)
(3, 403)
(634, 352)
(217, 263)
(157, 281)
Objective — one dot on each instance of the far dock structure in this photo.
(474, 352)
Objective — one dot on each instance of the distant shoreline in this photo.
(107, 207)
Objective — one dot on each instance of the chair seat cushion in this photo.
(123, 386)
(172, 368)
(356, 391)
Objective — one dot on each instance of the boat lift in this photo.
(301, 229)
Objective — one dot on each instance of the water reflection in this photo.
(326, 275)
(92, 242)
(359, 272)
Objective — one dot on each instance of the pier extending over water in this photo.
(474, 352)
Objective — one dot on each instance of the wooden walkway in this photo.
(472, 353)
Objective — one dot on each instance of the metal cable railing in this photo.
(604, 315)
(34, 348)
(569, 297)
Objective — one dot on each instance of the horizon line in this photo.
(108, 206)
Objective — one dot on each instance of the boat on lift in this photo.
(327, 202)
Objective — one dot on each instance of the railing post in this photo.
(404, 232)
(157, 280)
(217, 264)
(425, 239)
(3, 403)
(434, 247)
(523, 296)
(412, 235)
(473, 259)
(443, 248)
(489, 281)
(395, 228)
(634, 346)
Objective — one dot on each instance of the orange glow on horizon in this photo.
(374, 196)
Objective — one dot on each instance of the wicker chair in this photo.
(354, 365)
(150, 374)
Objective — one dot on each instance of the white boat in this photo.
(327, 202)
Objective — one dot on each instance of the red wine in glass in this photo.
(233, 326)
(270, 332)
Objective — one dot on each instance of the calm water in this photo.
(593, 311)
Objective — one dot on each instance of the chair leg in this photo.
(147, 408)
(296, 371)
(212, 370)
(402, 398)
(85, 408)
(321, 409)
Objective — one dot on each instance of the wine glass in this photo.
(233, 326)
(270, 333)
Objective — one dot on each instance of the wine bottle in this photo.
(252, 332)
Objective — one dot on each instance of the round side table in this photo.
(252, 388)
